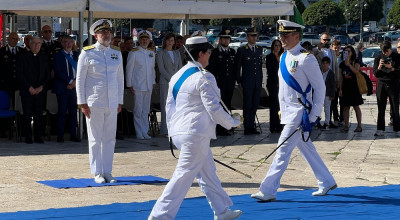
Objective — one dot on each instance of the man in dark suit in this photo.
(49, 46)
(65, 63)
(249, 61)
(222, 66)
(33, 74)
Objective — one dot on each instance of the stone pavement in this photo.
(355, 159)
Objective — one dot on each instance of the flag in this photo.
(297, 18)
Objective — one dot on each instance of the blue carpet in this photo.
(81, 183)
(381, 202)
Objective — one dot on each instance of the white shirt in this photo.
(307, 72)
(196, 110)
(73, 70)
(140, 72)
(171, 54)
(100, 77)
(328, 53)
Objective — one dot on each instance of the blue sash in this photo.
(182, 79)
(291, 81)
(70, 60)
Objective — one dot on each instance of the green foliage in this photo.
(394, 14)
(231, 22)
(325, 12)
(372, 12)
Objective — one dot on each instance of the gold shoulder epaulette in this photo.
(305, 51)
(135, 49)
(88, 47)
(115, 47)
(152, 49)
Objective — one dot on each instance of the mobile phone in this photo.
(345, 54)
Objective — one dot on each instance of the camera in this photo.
(387, 60)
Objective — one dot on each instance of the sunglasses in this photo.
(326, 40)
(398, 47)
(47, 31)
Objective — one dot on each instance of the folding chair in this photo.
(6, 113)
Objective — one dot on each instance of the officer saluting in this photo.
(249, 61)
(100, 89)
(299, 74)
(222, 66)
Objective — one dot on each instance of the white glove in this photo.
(238, 119)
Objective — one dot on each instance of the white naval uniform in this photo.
(100, 84)
(307, 72)
(191, 121)
(141, 75)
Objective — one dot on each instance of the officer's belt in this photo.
(182, 79)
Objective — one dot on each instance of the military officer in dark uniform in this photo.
(222, 66)
(249, 74)
(8, 58)
(50, 47)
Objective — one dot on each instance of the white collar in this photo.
(100, 46)
(295, 48)
(70, 53)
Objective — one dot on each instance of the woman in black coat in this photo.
(272, 64)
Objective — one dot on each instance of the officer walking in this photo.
(249, 62)
(100, 89)
(222, 66)
(193, 109)
(299, 74)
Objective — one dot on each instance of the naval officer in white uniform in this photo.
(99, 88)
(140, 77)
(304, 68)
(193, 110)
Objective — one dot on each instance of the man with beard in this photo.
(100, 88)
(222, 66)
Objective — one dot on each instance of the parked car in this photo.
(213, 32)
(356, 38)
(265, 46)
(345, 40)
(376, 38)
(240, 36)
(211, 38)
(312, 38)
(265, 39)
(392, 35)
(369, 54)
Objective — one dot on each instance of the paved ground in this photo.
(355, 159)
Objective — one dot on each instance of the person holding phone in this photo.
(348, 87)
(386, 69)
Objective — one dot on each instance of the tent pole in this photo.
(80, 40)
(89, 23)
(4, 29)
(187, 24)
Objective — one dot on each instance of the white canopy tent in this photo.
(196, 9)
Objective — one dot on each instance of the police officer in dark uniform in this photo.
(249, 63)
(222, 66)
(50, 47)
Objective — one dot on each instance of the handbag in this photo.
(362, 83)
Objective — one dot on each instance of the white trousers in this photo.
(141, 112)
(327, 109)
(163, 101)
(195, 160)
(271, 182)
(101, 128)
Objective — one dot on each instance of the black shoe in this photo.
(119, 137)
(39, 140)
(223, 133)
(60, 139)
(75, 139)
(331, 125)
(251, 131)
(28, 140)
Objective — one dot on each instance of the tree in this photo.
(203, 22)
(371, 12)
(394, 14)
(325, 12)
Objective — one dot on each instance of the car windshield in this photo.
(371, 52)
(238, 35)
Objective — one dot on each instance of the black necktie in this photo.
(253, 49)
